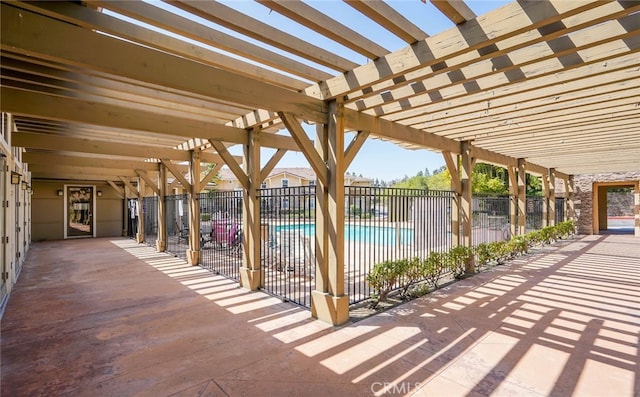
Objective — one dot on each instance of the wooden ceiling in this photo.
(555, 82)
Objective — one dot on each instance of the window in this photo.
(285, 183)
(263, 185)
(285, 203)
(312, 183)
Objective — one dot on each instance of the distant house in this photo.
(285, 177)
(299, 180)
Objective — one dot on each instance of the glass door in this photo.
(79, 211)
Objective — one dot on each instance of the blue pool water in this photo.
(365, 234)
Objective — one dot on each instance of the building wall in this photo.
(48, 211)
(584, 196)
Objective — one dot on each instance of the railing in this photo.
(560, 216)
(384, 224)
(535, 213)
(177, 224)
(381, 224)
(132, 218)
(220, 232)
(490, 219)
(288, 242)
(150, 211)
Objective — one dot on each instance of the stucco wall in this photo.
(48, 211)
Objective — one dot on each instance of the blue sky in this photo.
(376, 159)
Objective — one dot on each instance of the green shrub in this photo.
(518, 245)
(383, 278)
(535, 238)
(459, 256)
(483, 254)
(436, 264)
(411, 273)
(500, 251)
(205, 217)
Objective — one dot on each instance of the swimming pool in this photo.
(382, 235)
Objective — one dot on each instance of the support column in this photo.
(570, 203)
(522, 196)
(193, 254)
(125, 216)
(161, 242)
(636, 212)
(250, 276)
(466, 206)
(140, 208)
(552, 196)
(513, 202)
(322, 219)
(545, 202)
(333, 305)
(452, 163)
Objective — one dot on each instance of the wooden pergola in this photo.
(548, 87)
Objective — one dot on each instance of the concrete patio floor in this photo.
(108, 317)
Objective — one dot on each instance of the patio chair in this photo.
(295, 254)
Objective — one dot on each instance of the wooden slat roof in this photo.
(554, 82)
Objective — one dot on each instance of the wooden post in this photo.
(250, 270)
(333, 306)
(125, 216)
(513, 202)
(161, 242)
(545, 202)
(193, 254)
(466, 203)
(552, 196)
(570, 204)
(140, 208)
(522, 196)
(452, 162)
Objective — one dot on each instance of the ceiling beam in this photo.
(390, 19)
(241, 23)
(456, 10)
(326, 26)
(476, 41)
(35, 35)
(48, 158)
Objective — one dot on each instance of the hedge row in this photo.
(406, 274)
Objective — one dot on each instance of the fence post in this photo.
(552, 197)
(250, 273)
(140, 208)
(466, 202)
(522, 196)
(193, 254)
(328, 301)
(161, 241)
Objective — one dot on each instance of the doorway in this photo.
(615, 208)
(79, 211)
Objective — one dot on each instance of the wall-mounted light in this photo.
(99, 193)
(15, 178)
(24, 185)
(60, 193)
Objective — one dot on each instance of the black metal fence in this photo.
(221, 232)
(288, 242)
(535, 213)
(150, 213)
(490, 219)
(177, 224)
(132, 217)
(383, 224)
(560, 216)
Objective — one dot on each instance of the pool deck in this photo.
(108, 317)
